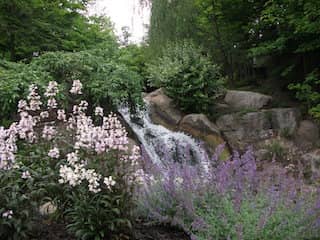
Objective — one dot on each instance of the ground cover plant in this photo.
(230, 200)
(79, 164)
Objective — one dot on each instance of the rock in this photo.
(199, 126)
(47, 208)
(162, 109)
(242, 130)
(199, 122)
(246, 99)
(284, 119)
(307, 133)
(312, 159)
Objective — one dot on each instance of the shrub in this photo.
(18, 204)
(309, 92)
(230, 200)
(107, 81)
(78, 162)
(187, 76)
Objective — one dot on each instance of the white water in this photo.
(163, 145)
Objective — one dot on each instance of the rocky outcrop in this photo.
(163, 110)
(199, 126)
(246, 99)
(285, 119)
(313, 160)
(243, 122)
(241, 130)
(307, 134)
(200, 123)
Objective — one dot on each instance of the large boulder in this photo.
(162, 109)
(199, 126)
(246, 99)
(243, 129)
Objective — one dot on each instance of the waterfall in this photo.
(163, 145)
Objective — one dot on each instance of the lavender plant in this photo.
(230, 200)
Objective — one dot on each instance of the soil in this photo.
(143, 232)
(48, 230)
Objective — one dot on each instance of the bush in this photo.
(187, 76)
(107, 81)
(309, 92)
(82, 164)
(230, 200)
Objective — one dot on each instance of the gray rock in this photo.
(199, 126)
(199, 122)
(47, 208)
(242, 130)
(284, 118)
(246, 99)
(162, 109)
(313, 159)
(307, 133)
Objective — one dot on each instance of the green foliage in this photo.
(187, 76)
(14, 82)
(252, 220)
(17, 195)
(107, 80)
(220, 26)
(256, 42)
(45, 25)
(135, 57)
(275, 151)
(309, 92)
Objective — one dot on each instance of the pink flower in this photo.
(34, 98)
(52, 89)
(48, 132)
(54, 153)
(98, 111)
(52, 103)
(61, 115)
(76, 87)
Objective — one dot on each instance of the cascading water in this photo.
(163, 145)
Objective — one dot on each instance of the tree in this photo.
(45, 25)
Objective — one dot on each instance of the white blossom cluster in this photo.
(52, 89)
(44, 114)
(54, 153)
(98, 111)
(8, 148)
(51, 92)
(34, 98)
(7, 214)
(48, 132)
(61, 115)
(75, 173)
(76, 87)
(109, 136)
(26, 175)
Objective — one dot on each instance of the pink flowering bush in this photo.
(82, 164)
